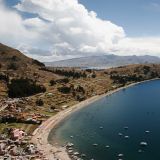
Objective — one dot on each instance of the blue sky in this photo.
(138, 17)
(12, 3)
(52, 30)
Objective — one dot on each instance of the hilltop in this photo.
(11, 58)
(14, 65)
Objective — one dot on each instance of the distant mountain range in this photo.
(105, 61)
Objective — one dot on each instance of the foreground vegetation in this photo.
(47, 93)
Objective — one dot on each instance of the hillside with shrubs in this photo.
(40, 91)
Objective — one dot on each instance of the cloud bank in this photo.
(62, 29)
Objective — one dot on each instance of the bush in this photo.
(52, 82)
(53, 107)
(123, 79)
(39, 102)
(93, 75)
(64, 89)
(63, 80)
(89, 70)
(4, 77)
(146, 69)
(12, 66)
(24, 87)
(14, 58)
(67, 73)
(79, 89)
(80, 98)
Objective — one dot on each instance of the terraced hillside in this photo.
(46, 91)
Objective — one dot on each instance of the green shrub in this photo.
(93, 75)
(24, 87)
(4, 77)
(39, 102)
(12, 66)
(52, 82)
(62, 80)
(64, 89)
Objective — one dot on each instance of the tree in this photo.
(64, 89)
(39, 102)
(24, 87)
(12, 66)
(52, 82)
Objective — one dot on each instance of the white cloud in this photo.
(11, 28)
(138, 46)
(65, 29)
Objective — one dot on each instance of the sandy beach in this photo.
(40, 135)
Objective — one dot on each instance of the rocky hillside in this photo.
(12, 59)
(21, 76)
(15, 68)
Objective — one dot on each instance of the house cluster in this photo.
(13, 105)
(15, 111)
(14, 142)
(15, 146)
(21, 118)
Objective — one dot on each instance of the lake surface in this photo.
(137, 108)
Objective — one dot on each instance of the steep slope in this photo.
(13, 59)
(18, 68)
(105, 61)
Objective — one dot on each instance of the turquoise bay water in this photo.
(137, 107)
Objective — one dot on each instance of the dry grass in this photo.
(92, 86)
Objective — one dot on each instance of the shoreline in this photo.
(40, 135)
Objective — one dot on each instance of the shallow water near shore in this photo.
(105, 123)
